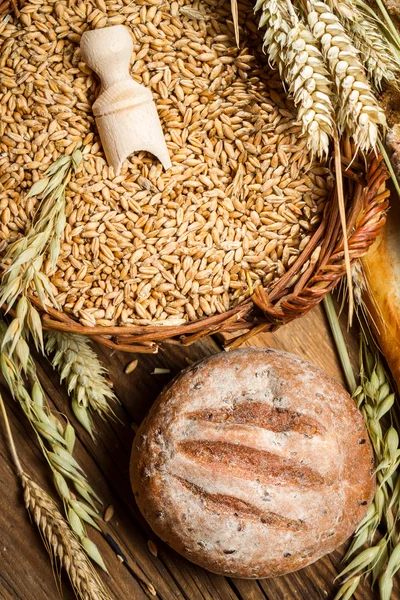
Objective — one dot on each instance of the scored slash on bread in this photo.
(248, 463)
(253, 464)
(221, 503)
(259, 414)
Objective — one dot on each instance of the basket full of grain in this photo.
(241, 235)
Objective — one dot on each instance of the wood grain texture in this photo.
(25, 572)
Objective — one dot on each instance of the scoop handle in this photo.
(107, 52)
(126, 115)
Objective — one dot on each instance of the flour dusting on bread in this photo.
(253, 464)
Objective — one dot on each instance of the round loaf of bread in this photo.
(253, 464)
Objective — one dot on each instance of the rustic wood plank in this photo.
(106, 463)
(310, 338)
(248, 590)
(25, 572)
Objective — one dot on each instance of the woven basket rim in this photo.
(322, 263)
(281, 302)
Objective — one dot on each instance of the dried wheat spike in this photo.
(293, 49)
(311, 88)
(61, 543)
(277, 20)
(344, 8)
(376, 53)
(359, 112)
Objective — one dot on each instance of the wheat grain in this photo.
(131, 366)
(232, 136)
(152, 548)
(79, 365)
(359, 113)
(108, 513)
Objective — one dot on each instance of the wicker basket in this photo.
(316, 271)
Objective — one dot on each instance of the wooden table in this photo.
(25, 571)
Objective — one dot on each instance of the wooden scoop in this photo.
(126, 115)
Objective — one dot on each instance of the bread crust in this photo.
(253, 464)
(381, 267)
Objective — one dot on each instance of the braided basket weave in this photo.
(316, 272)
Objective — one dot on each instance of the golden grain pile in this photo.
(240, 201)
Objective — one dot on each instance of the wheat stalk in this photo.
(60, 541)
(56, 441)
(375, 399)
(385, 22)
(79, 365)
(24, 258)
(235, 17)
(377, 53)
(359, 113)
(293, 49)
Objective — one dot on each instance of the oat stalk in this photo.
(79, 366)
(61, 543)
(340, 344)
(24, 261)
(56, 441)
(24, 258)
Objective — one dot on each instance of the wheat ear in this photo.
(79, 365)
(60, 542)
(293, 49)
(56, 440)
(359, 113)
(376, 52)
